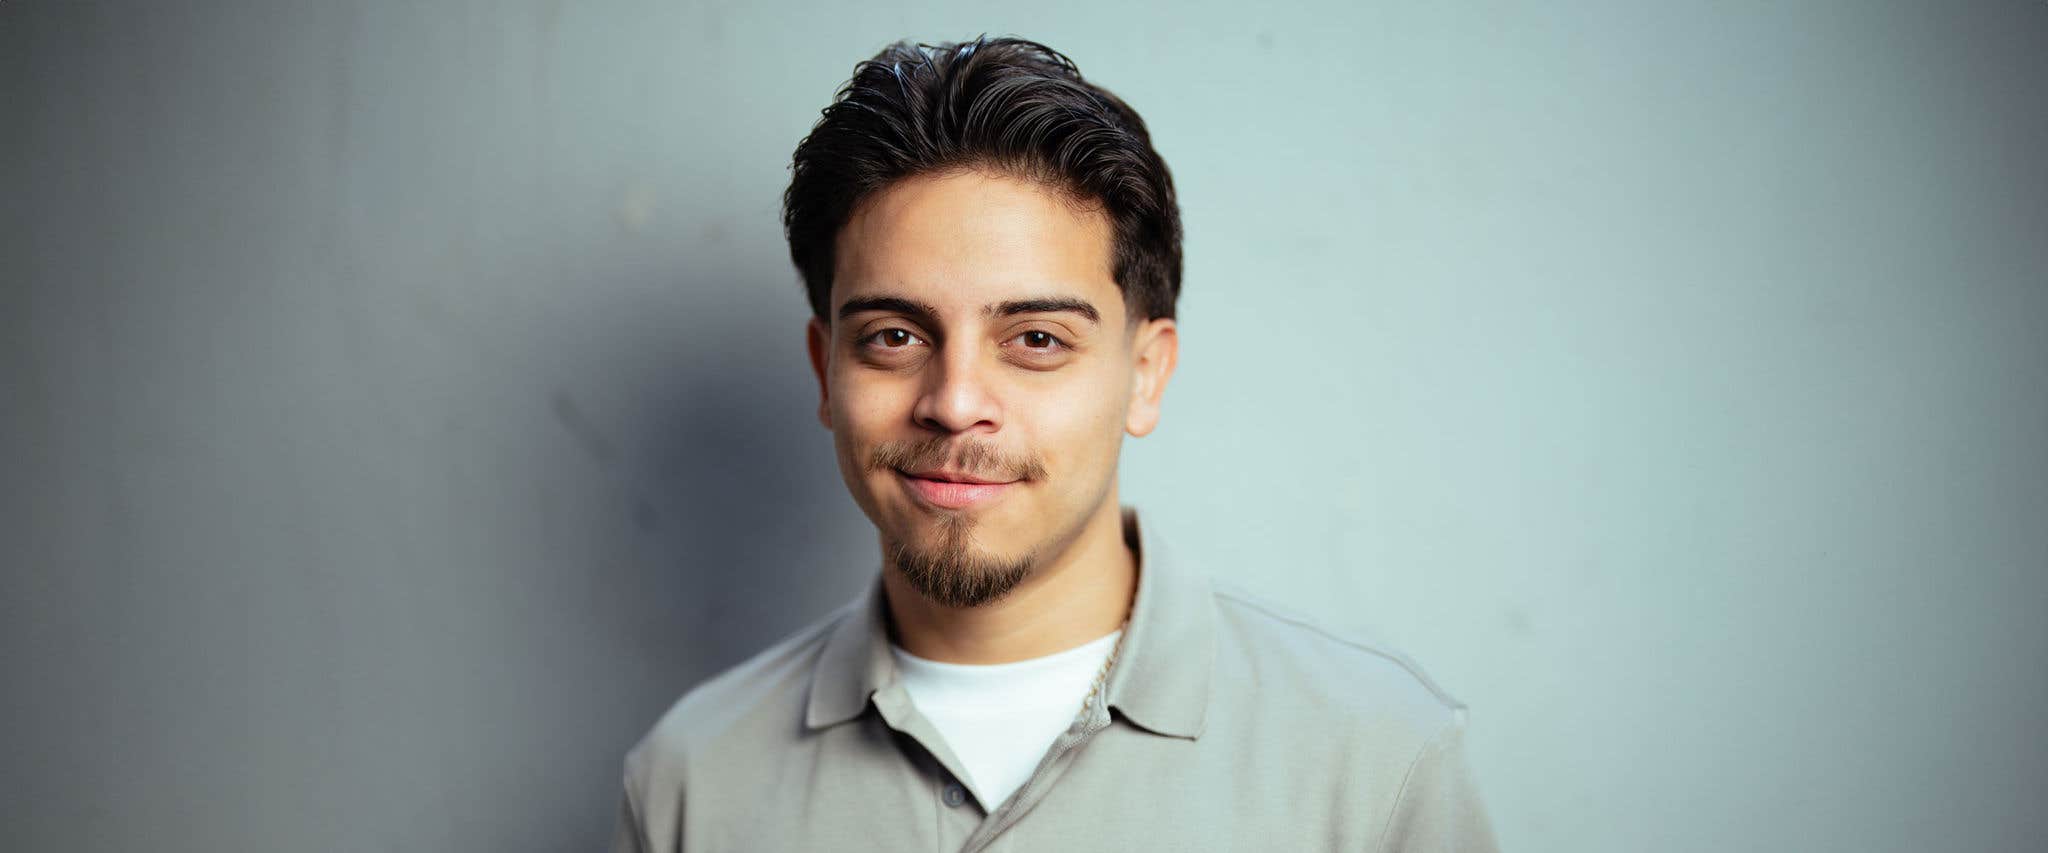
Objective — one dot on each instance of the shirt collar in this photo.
(1160, 680)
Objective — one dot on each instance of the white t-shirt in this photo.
(1000, 719)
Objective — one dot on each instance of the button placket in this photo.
(1050, 768)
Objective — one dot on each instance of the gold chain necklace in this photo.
(1102, 676)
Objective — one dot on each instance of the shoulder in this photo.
(1333, 674)
(752, 703)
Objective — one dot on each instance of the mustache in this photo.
(974, 458)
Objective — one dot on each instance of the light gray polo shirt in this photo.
(1227, 724)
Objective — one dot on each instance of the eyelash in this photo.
(1062, 343)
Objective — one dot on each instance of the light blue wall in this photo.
(404, 404)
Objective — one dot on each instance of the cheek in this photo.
(864, 405)
(1108, 400)
(1081, 426)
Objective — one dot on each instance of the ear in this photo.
(1157, 349)
(818, 339)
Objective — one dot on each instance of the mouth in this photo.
(948, 490)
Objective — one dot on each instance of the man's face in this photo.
(977, 333)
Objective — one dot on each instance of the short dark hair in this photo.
(1006, 104)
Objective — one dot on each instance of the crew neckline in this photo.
(1093, 648)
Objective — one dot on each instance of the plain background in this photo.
(405, 403)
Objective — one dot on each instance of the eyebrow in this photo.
(1040, 305)
(1044, 305)
(897, 304)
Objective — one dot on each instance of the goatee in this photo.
(952, 573)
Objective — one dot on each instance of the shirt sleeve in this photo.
(1438, 808)
(628, 835)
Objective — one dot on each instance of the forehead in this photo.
(961, 241)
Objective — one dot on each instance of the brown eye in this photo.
(1040, 339)
(893, 338)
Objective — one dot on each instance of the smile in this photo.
(945, 495)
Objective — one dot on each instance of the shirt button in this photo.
(954, 795)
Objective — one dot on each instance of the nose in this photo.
(956, 396)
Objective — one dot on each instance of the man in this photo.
(991, 249)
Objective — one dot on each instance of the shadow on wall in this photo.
(745, 479)
(743, 530)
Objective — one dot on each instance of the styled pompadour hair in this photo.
(1006, 104)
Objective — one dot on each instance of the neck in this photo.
(1081, 594)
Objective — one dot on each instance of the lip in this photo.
(946, 495)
